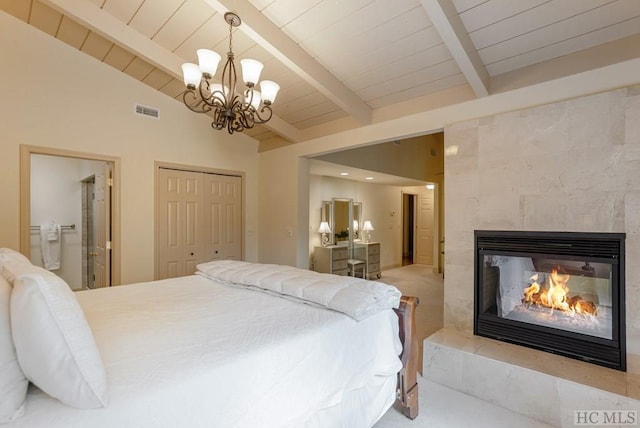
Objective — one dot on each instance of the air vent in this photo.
(148, 111)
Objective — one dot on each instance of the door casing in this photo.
(25, 199)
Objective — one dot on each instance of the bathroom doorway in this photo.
(75, 195)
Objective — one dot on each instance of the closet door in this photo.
(180, 222)
(223, 217)
(199, 218)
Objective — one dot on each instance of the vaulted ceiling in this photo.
(346, 63)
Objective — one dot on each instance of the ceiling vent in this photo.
(148, 111)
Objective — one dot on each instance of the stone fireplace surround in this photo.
(570, 166)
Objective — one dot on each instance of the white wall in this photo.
(56, 96)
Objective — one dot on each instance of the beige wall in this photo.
(567, 166)
(399, 158)
(55, 96)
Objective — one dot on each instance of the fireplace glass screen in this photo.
(564, 294)
(560, 292)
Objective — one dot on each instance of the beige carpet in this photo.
(441, 407)
(421, 282)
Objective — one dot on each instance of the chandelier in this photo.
(231, 110)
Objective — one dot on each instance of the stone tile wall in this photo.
(569, 166)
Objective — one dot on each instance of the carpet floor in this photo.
(441, 406)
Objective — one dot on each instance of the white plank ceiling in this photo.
(337, 60)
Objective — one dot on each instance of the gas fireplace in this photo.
(561, 292)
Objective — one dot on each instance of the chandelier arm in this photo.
(269, 113)
(196, 104)
(205, 88)
(218, 120)
(240, 118)
(248, 96)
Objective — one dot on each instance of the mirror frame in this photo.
(355, 214)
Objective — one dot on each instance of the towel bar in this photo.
(67, 227)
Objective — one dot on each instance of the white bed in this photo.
(194, 351)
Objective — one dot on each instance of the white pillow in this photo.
(10, 254)
(11, 258)
(13, 384)
(13, 268)
(54, 343)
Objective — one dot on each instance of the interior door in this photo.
(424, 229)
(223, 217)
(180, 228)
(102, 228)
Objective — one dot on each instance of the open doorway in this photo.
(76, 196)
(408, 228)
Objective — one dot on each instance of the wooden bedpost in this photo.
(407, 390)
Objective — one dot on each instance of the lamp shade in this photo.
(208, 61)
(218, 91)
(269, 91)
(191, 74)
(324, 227)
(255, 102)
(251, 70)
(367, 225)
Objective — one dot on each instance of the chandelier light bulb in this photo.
(255, 102)
(218, 92)
(269, 91)
(192, 75)
(251, 70)
(208, 61)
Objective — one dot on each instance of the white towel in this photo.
(50, 240)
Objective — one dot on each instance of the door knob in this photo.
(93, 254)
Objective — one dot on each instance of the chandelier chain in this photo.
(230, 37)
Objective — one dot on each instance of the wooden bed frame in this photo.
(407, 389)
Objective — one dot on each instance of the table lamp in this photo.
(324, 229)
(367, 227)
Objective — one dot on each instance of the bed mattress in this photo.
(193, 352)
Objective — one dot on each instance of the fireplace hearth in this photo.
(561, 292)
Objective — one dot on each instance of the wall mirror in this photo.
(345, 220)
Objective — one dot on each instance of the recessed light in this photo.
(430, 186)
(344, 173)
(368, 178)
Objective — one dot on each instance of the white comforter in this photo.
(355, 297)
(189, 352)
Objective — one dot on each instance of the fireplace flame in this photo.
(555, 295)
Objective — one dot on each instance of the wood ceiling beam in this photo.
(265, 33)
(447, 22)
(113, 29)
